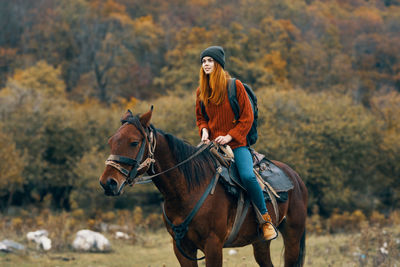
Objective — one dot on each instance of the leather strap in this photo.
(274, 204)
(241, 212)
(122, 159)
(181, 229)
(198, 152)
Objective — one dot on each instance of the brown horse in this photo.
(137, 147)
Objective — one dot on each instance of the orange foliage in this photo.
(369, 18)
(275, 64)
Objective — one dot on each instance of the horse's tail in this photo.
(302, 251)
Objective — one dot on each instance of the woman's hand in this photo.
(223, 140)
(205, 136)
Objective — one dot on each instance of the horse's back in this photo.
(299, 186)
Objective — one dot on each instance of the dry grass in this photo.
(362, 248)
(341, 240)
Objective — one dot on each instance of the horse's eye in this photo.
(134, 143)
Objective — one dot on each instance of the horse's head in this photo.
(132, 149)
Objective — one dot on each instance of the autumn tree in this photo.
(12, 164)
(330, 141)
(99, 47)
(51, 131)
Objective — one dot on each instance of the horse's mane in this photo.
(194, 170)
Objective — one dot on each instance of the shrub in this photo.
(377, 218)
(154, 221)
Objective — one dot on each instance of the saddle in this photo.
(273, 181)
(270, 177)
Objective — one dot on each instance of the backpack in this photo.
(252, 135)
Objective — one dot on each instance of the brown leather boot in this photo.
(268, 228)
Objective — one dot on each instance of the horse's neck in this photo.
(172, 184)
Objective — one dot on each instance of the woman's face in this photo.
(208, 64)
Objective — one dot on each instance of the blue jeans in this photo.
(244, 163)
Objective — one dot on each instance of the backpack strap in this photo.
(203, 111)
(232, 100)
(232, 97)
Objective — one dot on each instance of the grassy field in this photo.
(368, 247)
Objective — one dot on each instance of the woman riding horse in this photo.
(183, 174)
(222, 126)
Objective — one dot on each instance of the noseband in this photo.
(137, 164)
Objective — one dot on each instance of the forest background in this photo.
(326, 74)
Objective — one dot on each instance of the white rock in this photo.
(384, 251)
(9, 246)
(232, 252)
(40, 237)
(121, 235)
(44, 243)
(88, 240)
(33, 236)
(3, 247)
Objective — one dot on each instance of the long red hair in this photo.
(213, 86)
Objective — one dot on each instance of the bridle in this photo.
(149, 137)
(138, 166)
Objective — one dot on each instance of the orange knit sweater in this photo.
(222, 119)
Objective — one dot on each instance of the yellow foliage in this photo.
(346, 221)
(137, 215)
(11, 166)
(113, 7)
(358, 216)
(78, 213)
(370, 17)
(377, 218)
(174, 114)
(154, 221)
(202, 3)
(41, 78)
(388, 106)
(17, 223)
(147, 31)
(108, 216)
(394, 217)
(275, 64)
(40, 222)
(315, 222)
(6, 56)
(91, 223)
(129, 103)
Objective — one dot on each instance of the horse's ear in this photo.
(127, 114)
(145, 118)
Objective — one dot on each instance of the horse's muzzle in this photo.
(110, 187)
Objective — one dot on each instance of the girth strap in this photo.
(181, 229)
(241, 212)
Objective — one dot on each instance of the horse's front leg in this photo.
(183, 261)
(213, 251)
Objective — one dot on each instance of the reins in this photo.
(147, 179)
